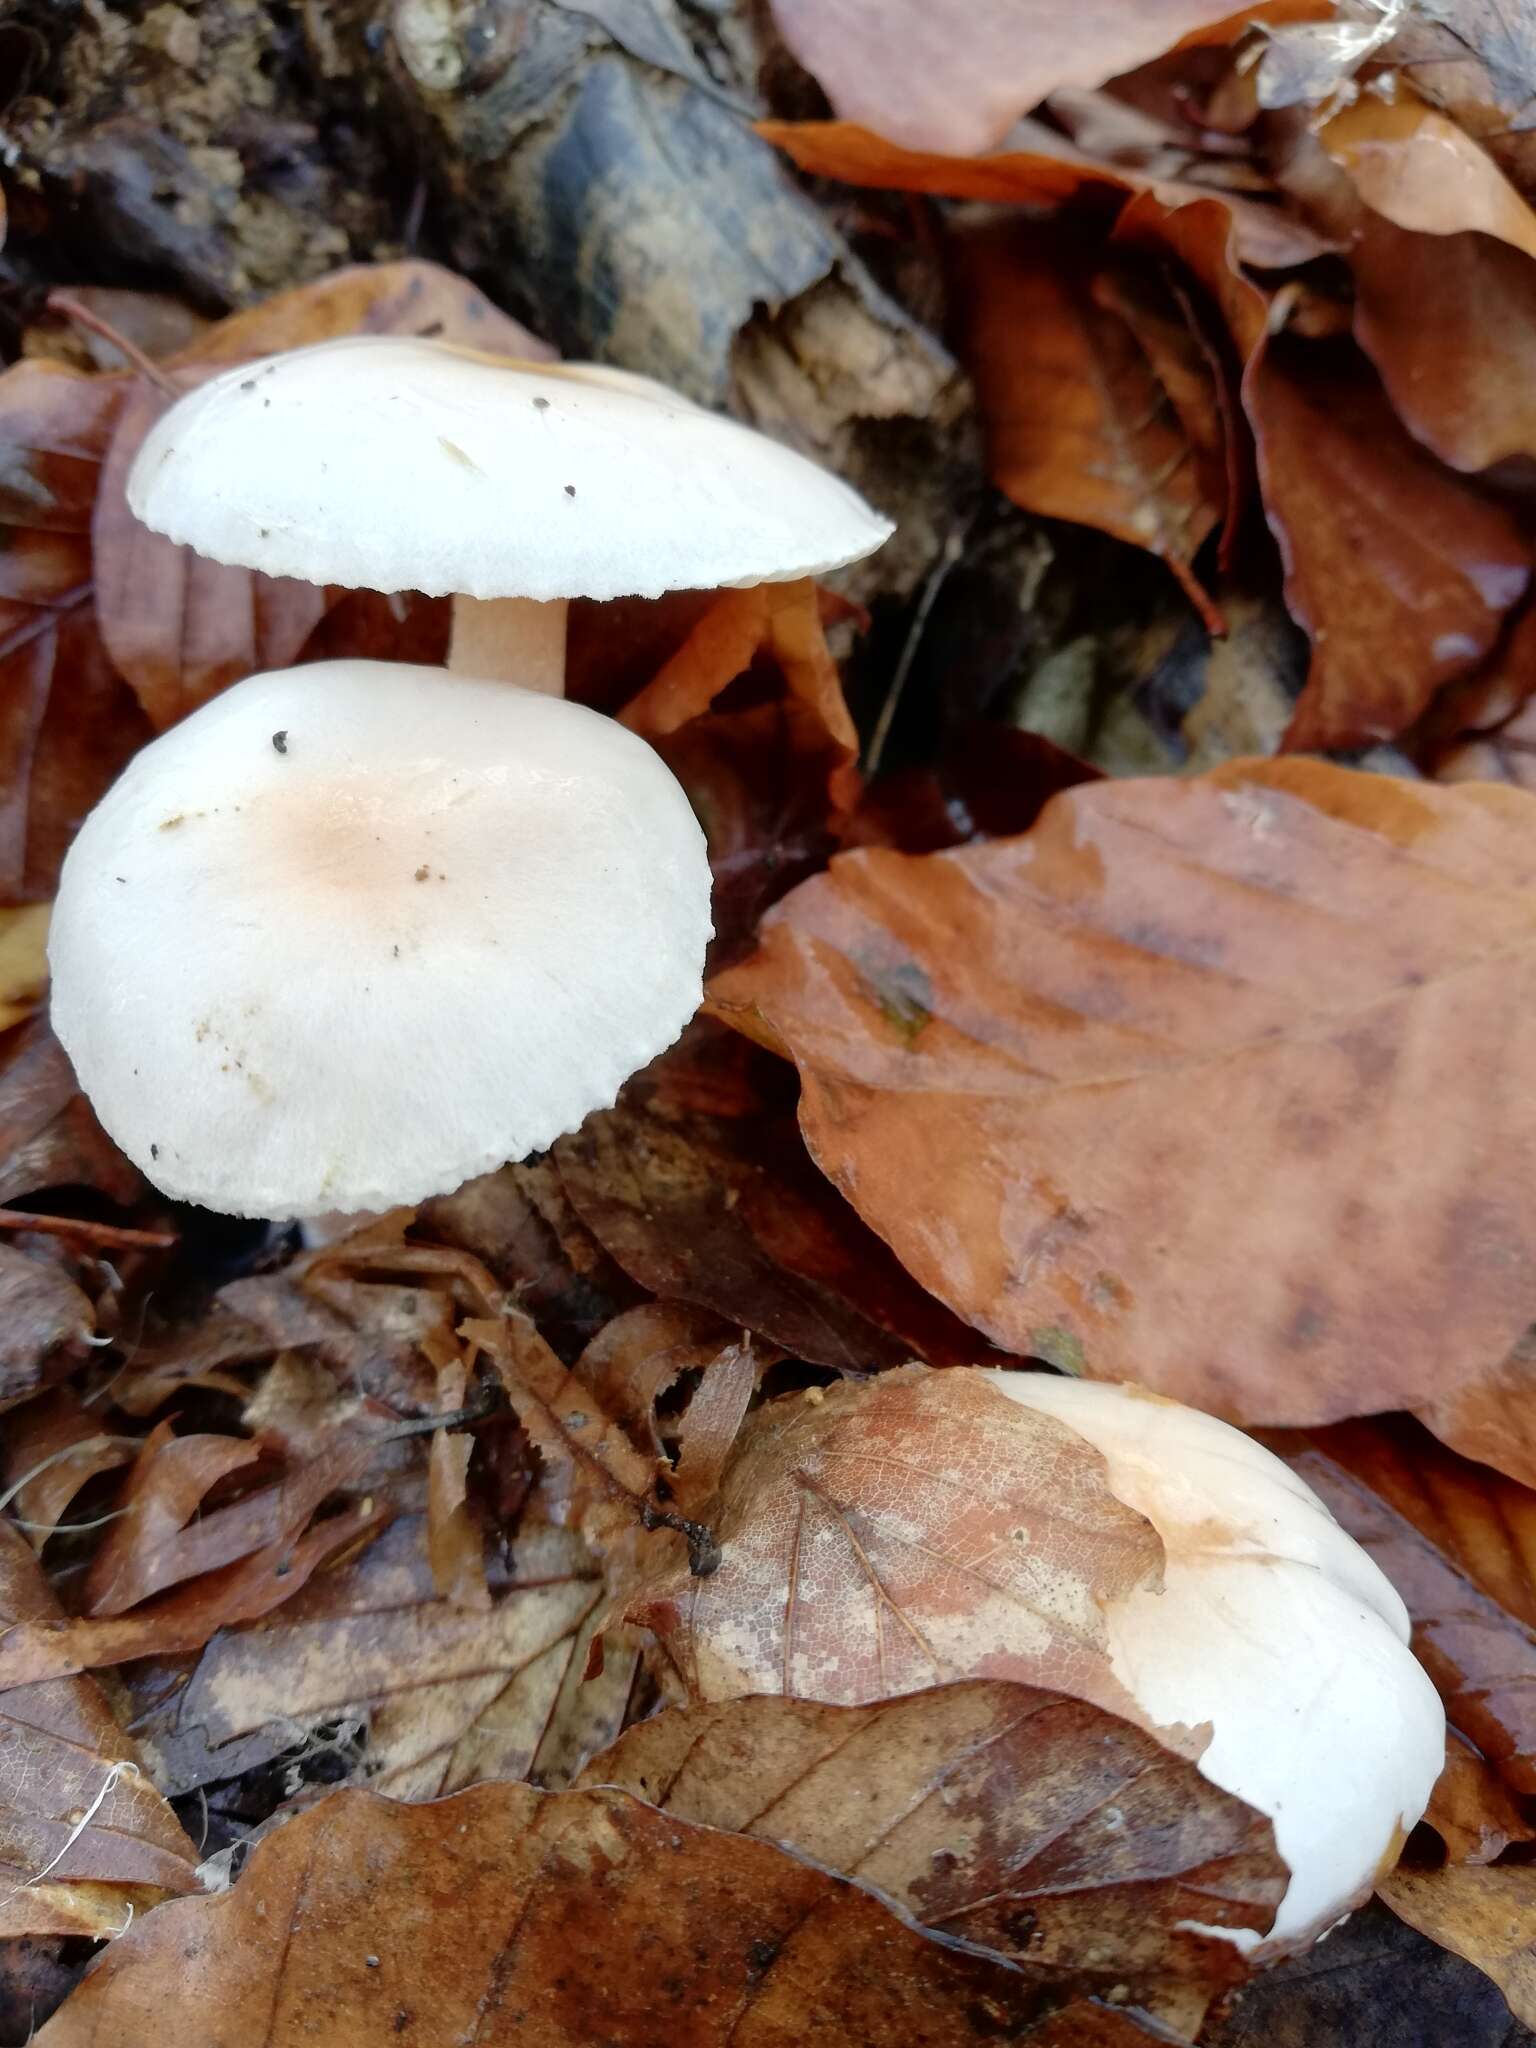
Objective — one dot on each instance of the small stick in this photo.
(95, 1233)
(82, 316)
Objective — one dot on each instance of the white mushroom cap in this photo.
(1275, 1628)
(400, 464)
(447, 921)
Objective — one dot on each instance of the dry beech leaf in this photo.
(954, 75)
(850, 1574)
(1487, 1916)
(1018, 1820)
(186, 1616)
(1395, 607)
(335, 1931)
(49, 1137)
(84, 1835)
(698, 1184)
(50, 1447)
(1220, 1003)
(1457, 1543)
(1447, 321)
(446, 1696)
(1043, 168)
(1076, 423)
(162, 1535)
(1471, 1809)
(1421, 171)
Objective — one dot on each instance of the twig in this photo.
(114, 1234)
(82, 316)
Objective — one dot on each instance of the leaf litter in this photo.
(1214, 1082)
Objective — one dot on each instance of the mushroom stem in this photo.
(510, 640)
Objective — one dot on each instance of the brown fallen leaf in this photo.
(1486, 1915)
(1457, 1544)
(444, 1696)
(1021, 1821)
(49, 1137)
(698, 1184)
(954, 75)
(335, 1931)
(842, 1560)
(1421, 171)
(1472, 1810)
(1219, 1003)
(51, 1447)
(85, 1839)
(46, 1322)
(1042, 169)
(163, 1534)
(1077, 425)
(1395, 608)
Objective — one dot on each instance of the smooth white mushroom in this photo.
(399, 464)
(355, 932)
(1275, 1629)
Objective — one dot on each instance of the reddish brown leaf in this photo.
(1046, 171)
(52, 1446)
(850, 1519)
(954, 75)
(84, 1836)
(1401, 572)
(1448, 1542)
(154, 1542)
(48, 1135)
(185, 1617)
(1421, 171)
(1447, 320)
(45, 1323)
(1033, 1825)
(1076, 424)
(336, 1929)
(1472, 1810)
(1221, 1003)
(698, 1184)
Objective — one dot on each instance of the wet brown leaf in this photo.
(1395, 607)
(161, 1535)
(954, 75)
(84, 1835)
(1076, 424)
(888, 1537)
(1458, 1543)
(1018, 1820)
(1220, 1002)
(1421, 171)
(1487, 1916)
(698, 1184)
(335, 1931)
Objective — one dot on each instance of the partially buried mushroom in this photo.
(393, 464)
(355, 932)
